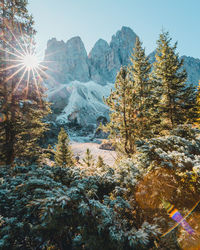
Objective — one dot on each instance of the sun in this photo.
(21, 60)
(30, 61)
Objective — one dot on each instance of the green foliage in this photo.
(88, 160)
(131, 104)
(143, 101)
(100, 163)
(120, 126)
(22, 104)
(57, 207)
(170, 172)
(176, 101)
(63, 153)
(198, 106)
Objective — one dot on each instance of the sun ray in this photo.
(25, 44)
(20, 80)
(41, 79)
(27, 84)
(10, 45)
(24, 61)
(12, 60)
(15, 73)
(11, 67)
(11, 53)
(46, 75)
(15, 38)
(36, 85)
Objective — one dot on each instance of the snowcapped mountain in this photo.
(79, 103)
(77, 82)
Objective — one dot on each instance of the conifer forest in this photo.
(53, 198)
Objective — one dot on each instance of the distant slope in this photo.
(80, 103)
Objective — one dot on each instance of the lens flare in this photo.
(185, 240)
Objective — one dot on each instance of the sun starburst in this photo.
(21, 63)
(20, 59)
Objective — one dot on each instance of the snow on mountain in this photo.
(80, 103)
(78, 81)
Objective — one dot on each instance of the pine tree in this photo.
(139, 72)
(130, 104)
(88, 160)
(177, 101)
(22, 100)
(63, 153)
(100, 163)
(122, 114)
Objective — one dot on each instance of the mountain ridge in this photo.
(87, 75)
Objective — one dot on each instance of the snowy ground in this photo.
(80, 148)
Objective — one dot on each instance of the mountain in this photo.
(69, 61)
(77, 82)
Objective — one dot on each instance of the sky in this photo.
(94, 19)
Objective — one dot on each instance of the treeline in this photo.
(150, 99)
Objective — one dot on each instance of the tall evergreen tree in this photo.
(63, 154)
(176, 100)
(130, 104)
(139, 72)
(21, 95)
(122, 114)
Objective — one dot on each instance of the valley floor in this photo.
(79, 149)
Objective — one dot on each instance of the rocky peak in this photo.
(77, 60)
(98, 60)
(107, 59)
(99, 49)
(67, 61)
(70, 60)
(76, 46)
(123, 43)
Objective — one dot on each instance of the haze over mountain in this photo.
(79, 81)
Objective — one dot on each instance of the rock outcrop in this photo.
(67, 61)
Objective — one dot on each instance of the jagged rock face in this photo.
(98, 58)
(67, 61)
(77, 60)
(55, 61)
(122, 44)
(107, 59)
(192, 66)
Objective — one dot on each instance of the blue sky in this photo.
(94, 19)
